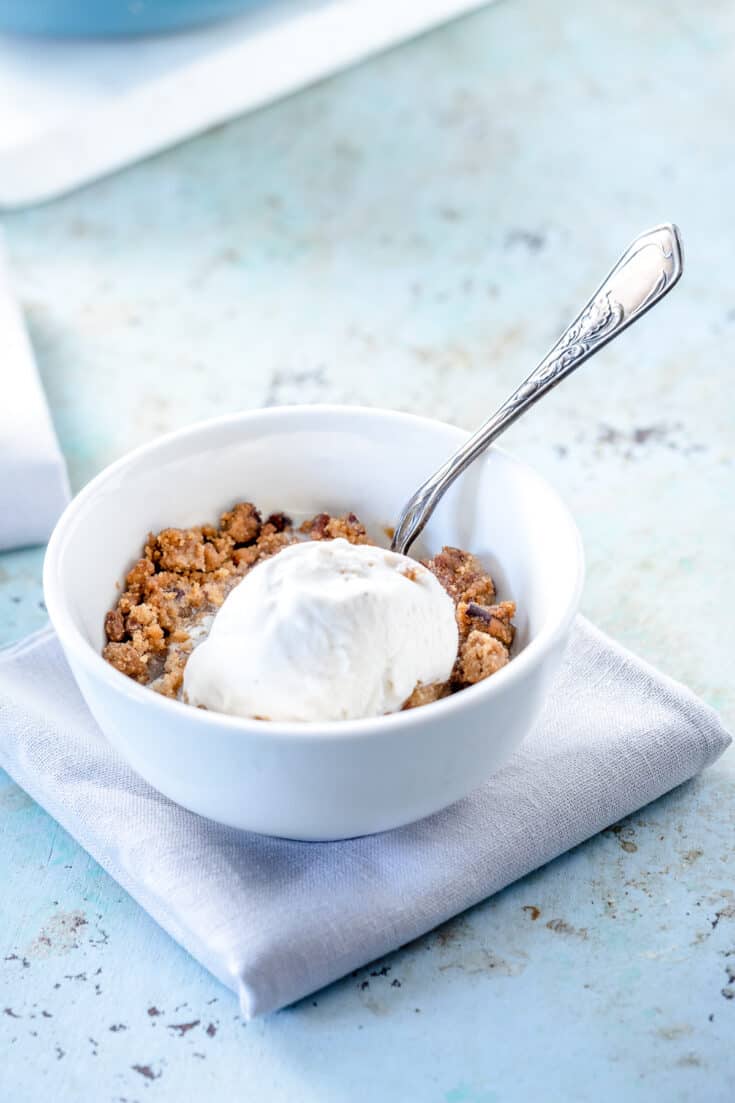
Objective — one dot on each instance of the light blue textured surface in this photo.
(413, 234)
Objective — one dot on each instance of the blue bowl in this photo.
(101, 18)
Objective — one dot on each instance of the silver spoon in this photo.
(646, 272)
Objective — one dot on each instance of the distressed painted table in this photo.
(413, 233)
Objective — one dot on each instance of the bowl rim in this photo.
(71, 636)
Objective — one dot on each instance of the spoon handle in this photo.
(646, 272)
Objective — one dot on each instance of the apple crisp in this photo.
(184, 575)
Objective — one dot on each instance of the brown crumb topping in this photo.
(184, 575)
(486, 628)
(324, 527)
(128, 660)
(479, 657)
(495, 620)
(242, 523)
(462, 575)
(426, 695)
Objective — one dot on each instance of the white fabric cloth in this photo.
(276, 920)
(33, 483)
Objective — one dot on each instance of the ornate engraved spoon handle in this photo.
(647, 270)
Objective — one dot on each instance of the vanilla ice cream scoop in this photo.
(325, 630)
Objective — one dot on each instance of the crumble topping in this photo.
(486, 628)
(324, 527)
(184, 575)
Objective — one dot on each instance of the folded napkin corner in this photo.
(275, 920)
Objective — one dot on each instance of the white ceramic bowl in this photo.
(332, 780)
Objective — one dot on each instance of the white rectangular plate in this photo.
(74, 110)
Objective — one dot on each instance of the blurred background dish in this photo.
(71, 107)
(100, 18)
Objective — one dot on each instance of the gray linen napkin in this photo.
(276, 920)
